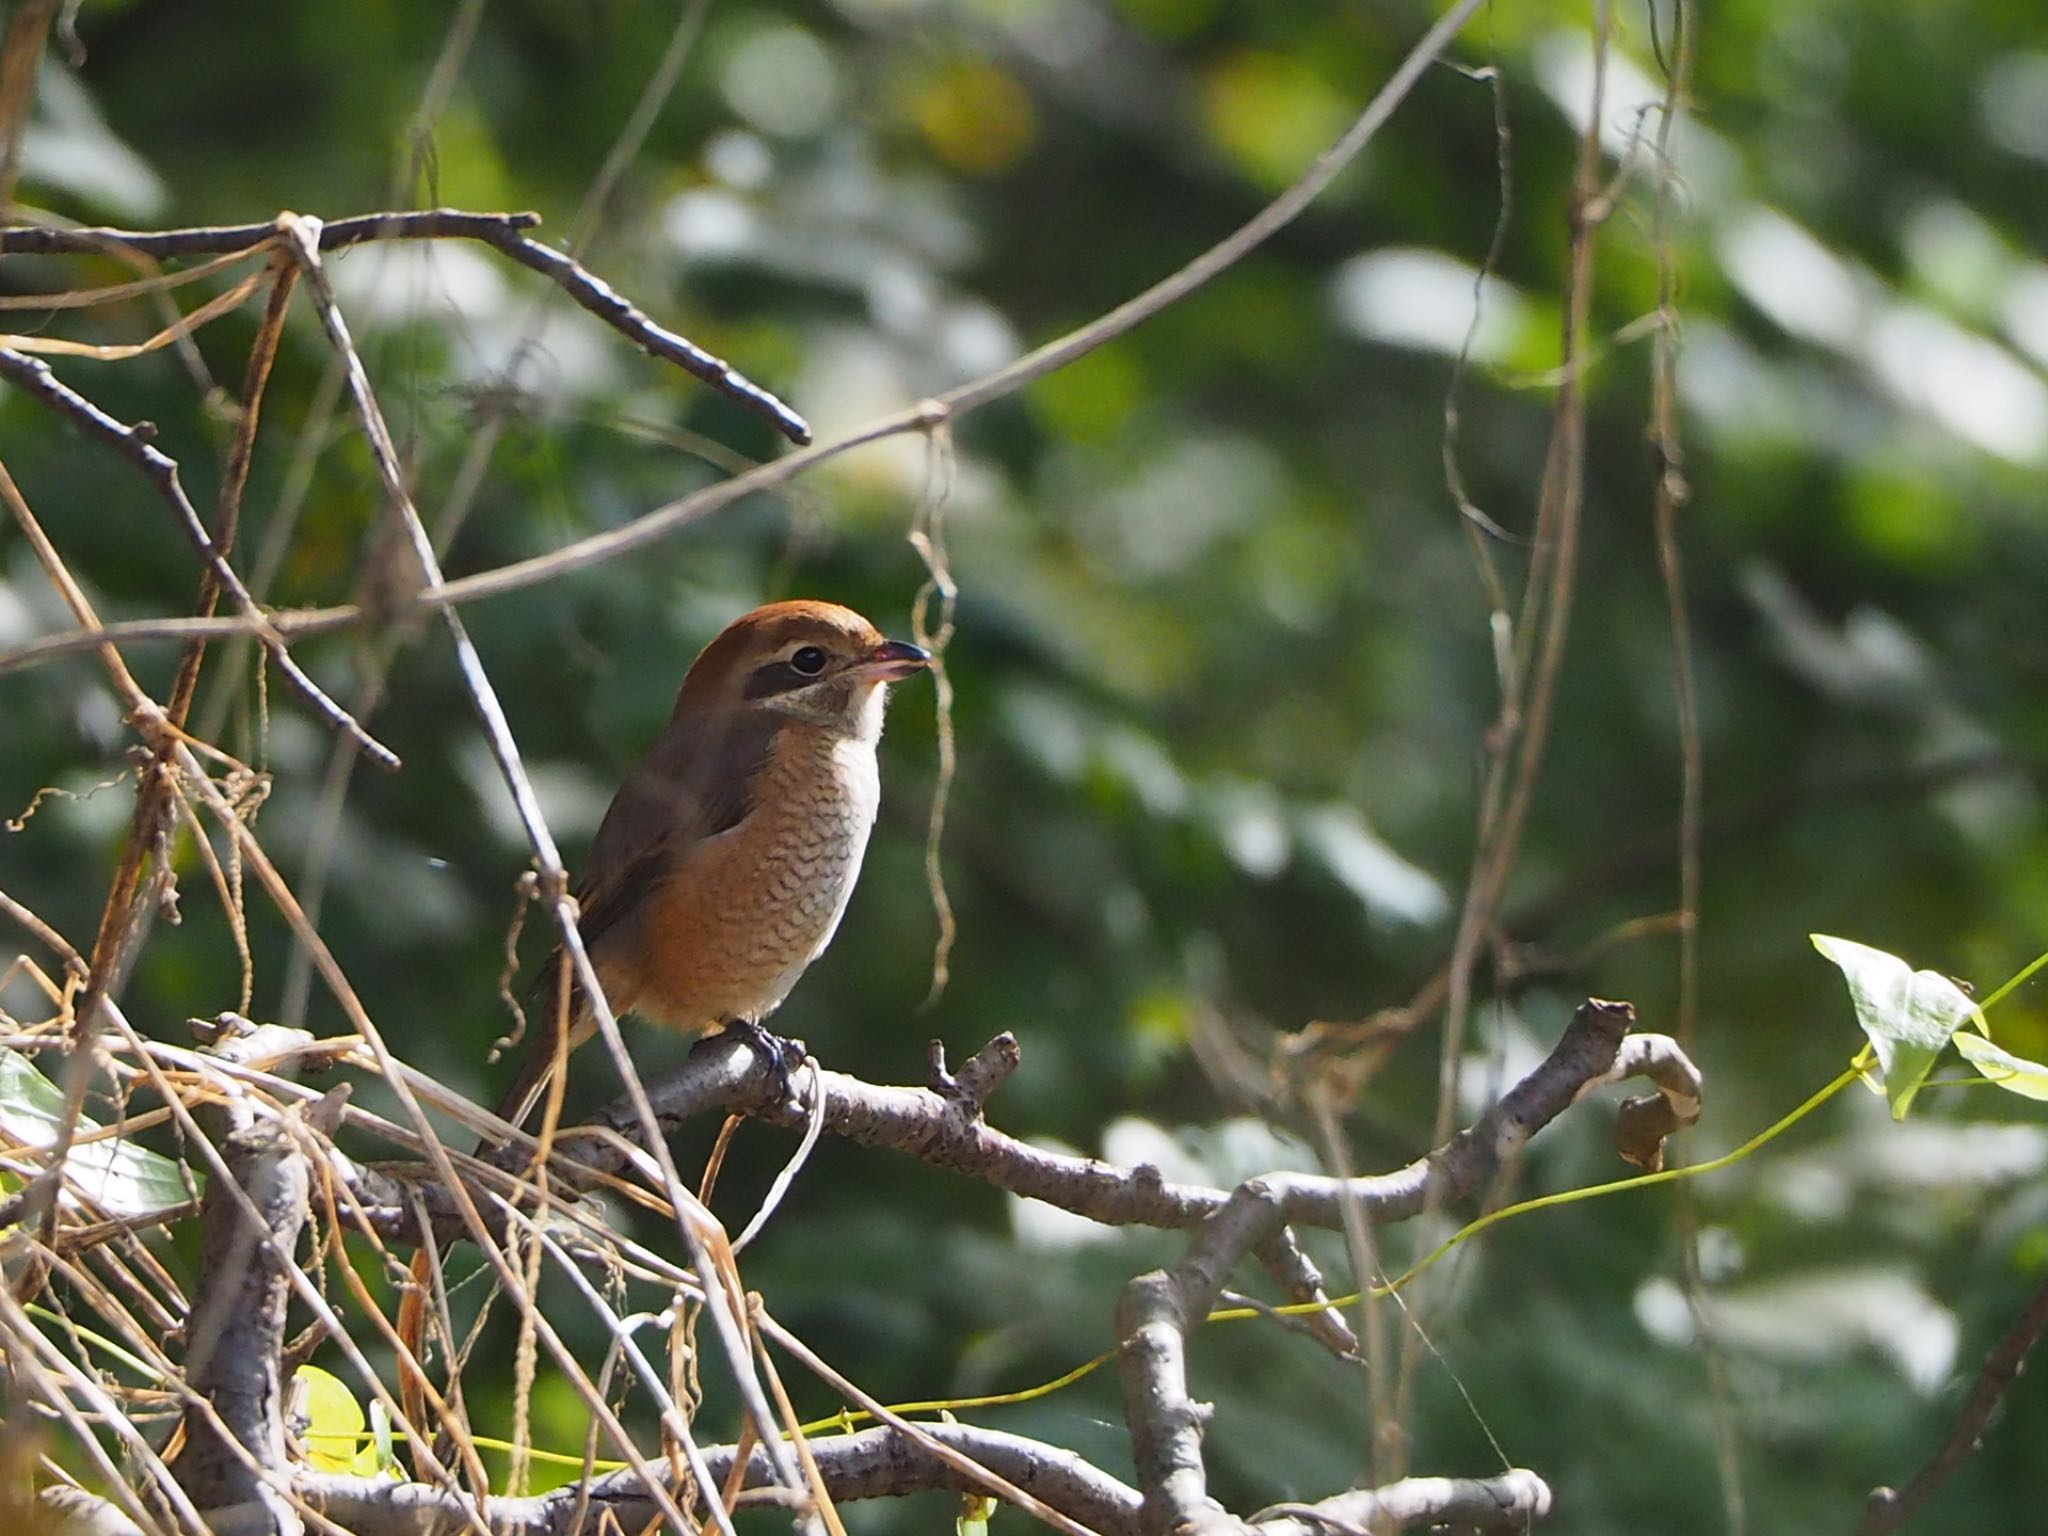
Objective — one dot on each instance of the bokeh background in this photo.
(1223, 666)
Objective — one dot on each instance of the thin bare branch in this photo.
(1888, 1509)
(663, 521)
(502, 231)
(133, 444)
(208, 240)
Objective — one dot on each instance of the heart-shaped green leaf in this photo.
(118, 1176)
(1908, 1014)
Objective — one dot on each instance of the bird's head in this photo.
(815, 662)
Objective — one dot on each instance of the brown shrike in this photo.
(725, 861)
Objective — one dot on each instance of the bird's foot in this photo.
(781, 1055)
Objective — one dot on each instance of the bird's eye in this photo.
(807, 661)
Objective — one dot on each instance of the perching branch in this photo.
(946, 1129)
(870, 1464)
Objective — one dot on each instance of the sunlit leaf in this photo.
(1909, 1015)
(2015, 1074)
(334, 1423)
(114, 1174)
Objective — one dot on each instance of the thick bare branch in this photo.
(1161, 1308)
(235, 1339)
(1452, 1504)
(870, 1464)
(947, 1131)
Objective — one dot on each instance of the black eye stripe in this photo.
(776, 677)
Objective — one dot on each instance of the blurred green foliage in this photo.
(1223, 666)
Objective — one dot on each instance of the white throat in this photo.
(867, 720)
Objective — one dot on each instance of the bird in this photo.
(724, 863)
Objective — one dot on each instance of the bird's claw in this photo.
(782, 1056)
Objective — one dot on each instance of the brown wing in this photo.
(697, 781)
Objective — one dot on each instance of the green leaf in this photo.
(1909, 1015)
(2015, 1074)
(116, 1175)
(975, 1513)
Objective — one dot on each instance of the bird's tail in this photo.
(563, 1020)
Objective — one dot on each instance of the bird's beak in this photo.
(893, 660)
